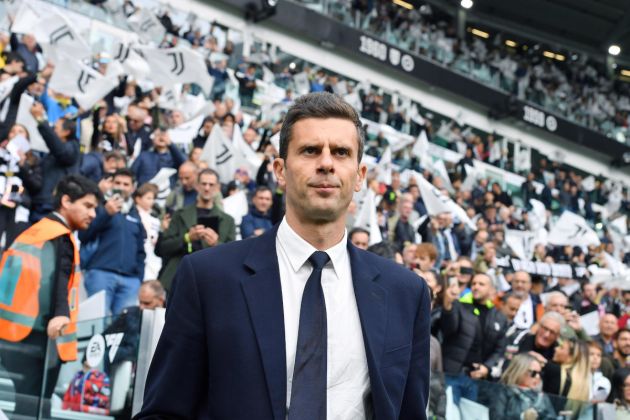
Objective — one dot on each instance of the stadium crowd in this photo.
(577, 87)
(167, 192)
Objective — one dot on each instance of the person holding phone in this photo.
(194, 227)
(462, 339)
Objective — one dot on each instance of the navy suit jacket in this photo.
(221, 354)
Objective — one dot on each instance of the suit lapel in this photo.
(263, 294)
(372, 304)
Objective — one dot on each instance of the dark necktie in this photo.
(308, 391)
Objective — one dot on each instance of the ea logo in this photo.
(95, 351)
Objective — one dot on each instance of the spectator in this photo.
(137, 130)
(621, 392)
(521, 397)
(543, 341)
(608, 328)
(588, 297)
(186, 232)
(184, 194)
(409, 256)
(95, 164)
(117, 266)
(151, 295)
(426, 256)
(144, 200)
(529, 312)
(621, 356)
(493, 326)
(568, 374)
(62, 160)
(461, 343)
(600, 385)
(28, 49)
(258, 220)
(163, 155)
(359, 237)
(511, 302)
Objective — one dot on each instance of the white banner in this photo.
(147, 26)
(219, 154)
(572, 229)
(521, 242)
(178, 65)
(83, 83)
(366, 217)
(437, 203)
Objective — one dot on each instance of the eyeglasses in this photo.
(549, 330)
(534, 373)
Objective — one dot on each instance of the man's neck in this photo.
(205, 205)
(63, 219)
(321, 236)
(161, 149)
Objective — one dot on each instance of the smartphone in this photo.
(211, 222)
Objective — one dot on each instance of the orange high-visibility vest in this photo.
(20, 280)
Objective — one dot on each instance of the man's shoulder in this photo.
(225, 253)
(393, 275)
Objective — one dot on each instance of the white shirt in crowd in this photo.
(348, 382)
(524, 317)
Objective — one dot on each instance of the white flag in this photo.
(185, 133)
(538, 215)
(421, 148)
(367, 218)
(572, 229)
(131, 60)
(59, 38)
(163, 181)
(178, 65)
(249, 155)
(437, 203)
(25, 118)
(439, 169)
(147, 26)
(236, 206)
(7, 86)
(618, 230)
(471, 178)
(384, 167)
(26, 18)
(588, 183)
(83, 83)
(521, 242)
(219, 154)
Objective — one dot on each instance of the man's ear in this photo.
(361, 172)
(279, 170)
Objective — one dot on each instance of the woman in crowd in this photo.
(520, 397)
(621, 393)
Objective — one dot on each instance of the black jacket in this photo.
(461, 335)
(63, 159)
(493, 330)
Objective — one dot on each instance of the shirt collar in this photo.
(298, 250)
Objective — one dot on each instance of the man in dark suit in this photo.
(297, 323)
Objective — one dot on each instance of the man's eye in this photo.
(342, 152)
(310, 150)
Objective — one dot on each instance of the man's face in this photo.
(148, 299)
(360, 240)
(262, 201)
(79, 213)
(59, 130)
(589, 292)
(558, 303)
(111, 164)
(608, 325)
(136, 117)
(187, 177)
(481, 287)
(510, 307)
(124, 184)
(160, 139)
(547, 333)
(623, 343)
(322, 171)
(521, 283)
(464, 274)
(405, 210)
(409, 255)
(207, 187)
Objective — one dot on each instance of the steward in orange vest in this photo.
(39, 293)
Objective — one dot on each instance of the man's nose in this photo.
(326, 163)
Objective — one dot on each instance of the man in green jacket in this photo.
(187, 234)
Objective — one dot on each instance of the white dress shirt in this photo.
(348, 382)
